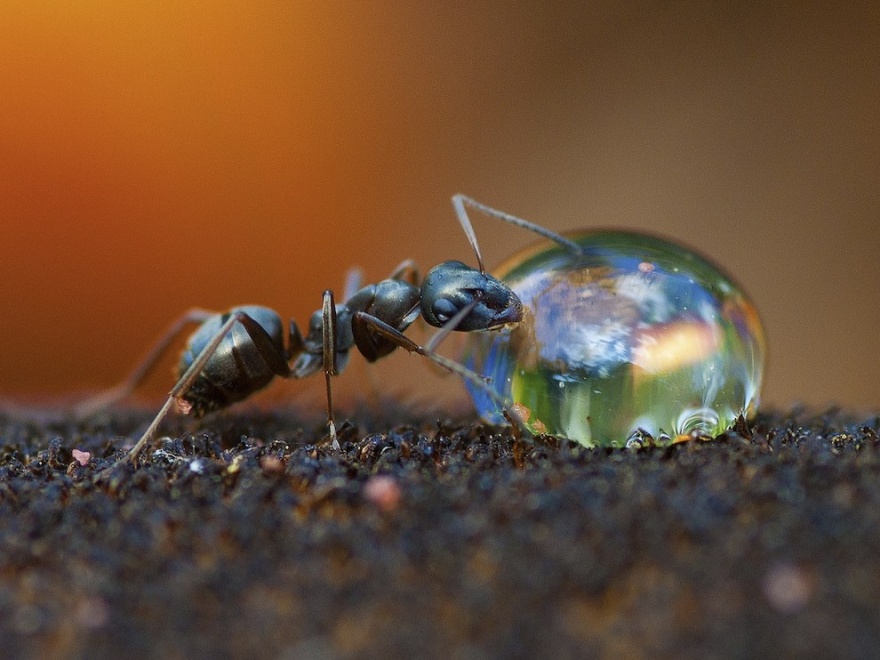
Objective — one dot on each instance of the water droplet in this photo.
(608, 346)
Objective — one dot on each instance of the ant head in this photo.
(451, 286)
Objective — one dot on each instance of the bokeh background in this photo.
(157, 156)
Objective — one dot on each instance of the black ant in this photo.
(236, 353)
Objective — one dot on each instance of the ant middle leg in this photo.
(329, 327)
(406, 271)
(354, 280)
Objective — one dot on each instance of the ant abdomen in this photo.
(237, 368)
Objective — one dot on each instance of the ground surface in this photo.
(439, 539)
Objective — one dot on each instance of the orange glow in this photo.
(666, 348)
(160, 156)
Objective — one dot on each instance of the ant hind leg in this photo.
(143, 368)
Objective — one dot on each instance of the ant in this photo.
(233, 354)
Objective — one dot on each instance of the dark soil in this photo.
(438, 540)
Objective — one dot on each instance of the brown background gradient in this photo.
(157, 156)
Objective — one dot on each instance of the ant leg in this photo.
(460, 202)
(268, 351)
(354, 279)
(328, 335)
(406, 271)
(445, 330)
(380, 327)
(449, 326)
(144, 366)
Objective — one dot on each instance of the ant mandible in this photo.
(234, 354)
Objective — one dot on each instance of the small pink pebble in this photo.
(81, 457)
(788, 587)
(382, 491)
(271, 464)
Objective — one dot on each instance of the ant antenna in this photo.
(459, 202)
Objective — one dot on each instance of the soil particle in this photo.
(437, 539)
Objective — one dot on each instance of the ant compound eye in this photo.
(444, 309)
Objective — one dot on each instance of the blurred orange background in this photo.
(158, 156)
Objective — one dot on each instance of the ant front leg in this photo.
(143, 368)
(391, 334)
